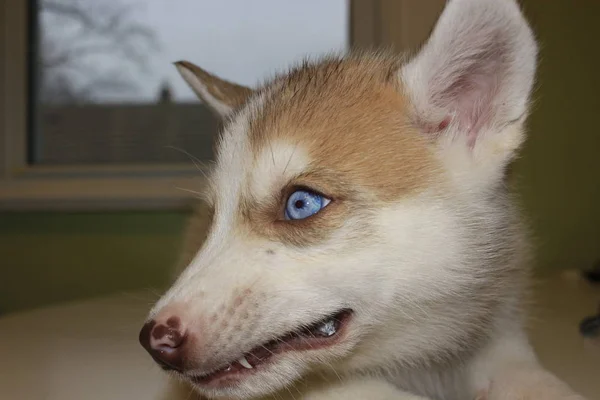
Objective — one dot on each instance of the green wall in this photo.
(558, 175)
(52, 257)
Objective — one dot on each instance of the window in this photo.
(105, 90)
(94, 113)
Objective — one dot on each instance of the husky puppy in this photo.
(362, 244)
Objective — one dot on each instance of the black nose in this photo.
(165, 343)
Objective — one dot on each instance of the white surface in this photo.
(89, 350)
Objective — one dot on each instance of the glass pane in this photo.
(104, 87)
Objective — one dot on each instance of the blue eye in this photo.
(303, 203)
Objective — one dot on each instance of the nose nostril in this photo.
(174, 323)
(166, 336)
(164, 343)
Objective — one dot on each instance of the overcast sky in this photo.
(240, 40)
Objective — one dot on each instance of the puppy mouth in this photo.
(323, 333)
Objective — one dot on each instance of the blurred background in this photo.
(101, 140)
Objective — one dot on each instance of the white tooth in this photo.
(328, 328)
(244, 362)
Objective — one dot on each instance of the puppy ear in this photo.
(220, 96)
(474, 75)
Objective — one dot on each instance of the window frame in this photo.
(118, 187)
(69, 188)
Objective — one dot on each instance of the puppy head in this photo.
(351, 210)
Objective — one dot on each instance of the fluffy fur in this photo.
(420, 240)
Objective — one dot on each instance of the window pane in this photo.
(105, 89)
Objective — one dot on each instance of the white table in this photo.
(84, 350)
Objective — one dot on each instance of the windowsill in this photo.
(98, 188)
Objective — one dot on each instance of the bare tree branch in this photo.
(74, 12)
(96, 30)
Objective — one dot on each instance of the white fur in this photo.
(278, 163)
(436, 280)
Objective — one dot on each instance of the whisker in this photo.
(197, 162)
(290, 392)
(199, 194)
(190, 394)
(291, 156)
(201, 166)
(272, 154)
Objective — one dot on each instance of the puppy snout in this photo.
(165, 341)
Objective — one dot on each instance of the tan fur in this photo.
(353, 115)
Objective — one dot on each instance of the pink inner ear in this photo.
(466, 86)
(473, 96)
(444, 124)
(469, 98)
(436, 128)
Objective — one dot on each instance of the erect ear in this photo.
(221, 96)
(474, 75)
